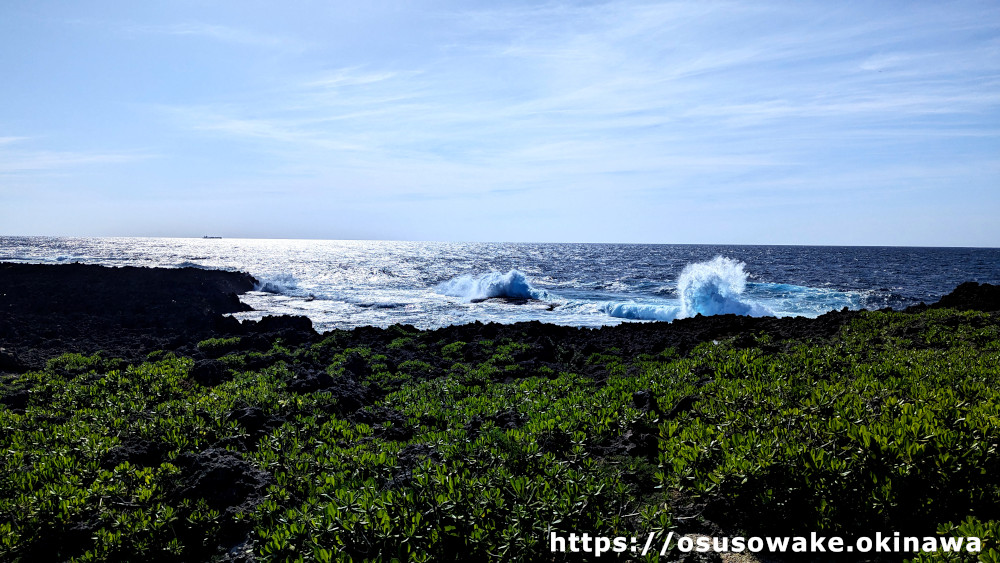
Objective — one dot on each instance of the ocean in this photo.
(346, 284)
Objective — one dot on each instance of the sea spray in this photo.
(715, 288)
(277, 283)
(641, 311)
(708, 288)
(514, 284)
(639, 280)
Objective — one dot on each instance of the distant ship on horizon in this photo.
(208, 236)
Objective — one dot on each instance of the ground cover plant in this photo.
(397, 443)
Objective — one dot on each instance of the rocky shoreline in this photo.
(212, 410)
(128, 312)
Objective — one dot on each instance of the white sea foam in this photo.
(641, 311)
(277, 283)
(716, 288)
(351, 280)
(513, 284)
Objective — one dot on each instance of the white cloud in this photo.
(353, 76)
(652, 99)
(22, 161)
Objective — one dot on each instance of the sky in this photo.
(743, 122)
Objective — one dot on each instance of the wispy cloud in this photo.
(353, 76)
(647, 98)
(601, 114)
(27, 161)
(10, 140)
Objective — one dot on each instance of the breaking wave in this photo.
(278, 283)
(715, 288)
(641, 311)
(708, 288)
(187, 264)
(513, 284)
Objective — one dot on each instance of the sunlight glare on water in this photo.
(344, 284)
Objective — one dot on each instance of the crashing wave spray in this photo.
(641, 311)
(278, 283)
(714, 288)
(514, 284)
(708, 288)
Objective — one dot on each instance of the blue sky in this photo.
(660, 122)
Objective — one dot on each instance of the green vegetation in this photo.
(418, 449)
(219, 344)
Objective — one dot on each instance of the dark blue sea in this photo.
(345, 284)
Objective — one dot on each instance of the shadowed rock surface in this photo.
(50, 309)
(972, 296)
(224, 479)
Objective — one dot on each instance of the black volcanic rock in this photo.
(209, 372)
(10, 363)
(136, 451)
(144, 296)
(293, 329)
(224, 479)
(972, 296)
(46, 310)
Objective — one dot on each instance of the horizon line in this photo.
(595, 243)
